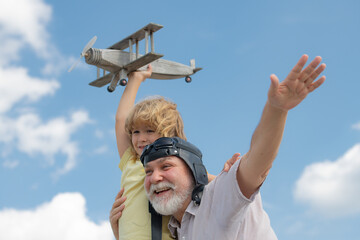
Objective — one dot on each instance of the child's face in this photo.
(142, 136)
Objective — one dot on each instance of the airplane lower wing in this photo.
(142, 61)
(102, 81)
(132, 66)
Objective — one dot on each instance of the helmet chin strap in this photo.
(197, 194)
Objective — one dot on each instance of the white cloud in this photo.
(32, 136)
(22, 27)
(331, 188)
(10, 164)
(16, 85)
(99, 134)
(25, 27)
(356, 126)
(101, 150)
(63, 218)
(23, 22)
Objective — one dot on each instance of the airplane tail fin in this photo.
(192, 63)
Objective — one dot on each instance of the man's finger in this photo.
(295, 72)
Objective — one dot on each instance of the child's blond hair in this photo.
(157, 113)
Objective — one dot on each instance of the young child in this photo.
(135, 127)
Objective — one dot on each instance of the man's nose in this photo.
(156, 177)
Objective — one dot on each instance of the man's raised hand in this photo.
(297, 85)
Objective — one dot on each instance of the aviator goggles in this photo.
(165, 146)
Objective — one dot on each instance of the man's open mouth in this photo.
(160, 191)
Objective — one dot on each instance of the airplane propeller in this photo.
(86, 48)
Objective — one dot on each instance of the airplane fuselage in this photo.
(114, 60)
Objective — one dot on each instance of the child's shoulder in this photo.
(126, 158)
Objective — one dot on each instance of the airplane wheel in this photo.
(188, 79)
(110, 89)
(123, 82)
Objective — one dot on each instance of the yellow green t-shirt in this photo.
(135, 221)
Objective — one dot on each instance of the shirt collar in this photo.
(174, 224)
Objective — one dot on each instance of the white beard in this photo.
(166, 205)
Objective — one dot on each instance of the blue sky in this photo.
(58, 157)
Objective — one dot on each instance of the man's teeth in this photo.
(161, 190)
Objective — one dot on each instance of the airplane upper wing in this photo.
(139, 35)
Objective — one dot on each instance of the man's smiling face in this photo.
(168, 184)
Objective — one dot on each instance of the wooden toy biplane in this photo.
(116, 63)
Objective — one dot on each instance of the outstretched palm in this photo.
(297, 85)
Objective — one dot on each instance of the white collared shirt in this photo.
(224, 213)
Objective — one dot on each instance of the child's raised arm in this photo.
(126, 103)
